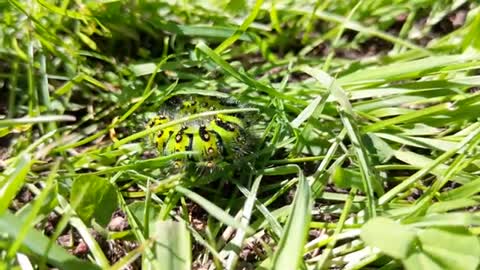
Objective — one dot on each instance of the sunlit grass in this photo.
(365, 114)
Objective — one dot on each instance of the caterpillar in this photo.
(218, 140)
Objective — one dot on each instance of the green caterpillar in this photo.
(219, 139)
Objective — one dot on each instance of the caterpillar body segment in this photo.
(215, 142)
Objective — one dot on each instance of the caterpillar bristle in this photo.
(220, 141)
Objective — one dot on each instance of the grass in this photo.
(366, 114)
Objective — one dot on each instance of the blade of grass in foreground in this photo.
(290, 248)
(14, 181)
(427, 169)
(147, 92)
(238, 33)
(405, 70)
(348, 120)
(38, 244)
(273, 223)
(212, 209)
(128, 259)
(84, 232)
(173, 247)
(331, 244)
(236, 244)
(29, 220)
(34, 120)
(243, 77)
(456, 166)
(205, 31)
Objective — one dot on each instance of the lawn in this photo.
(230, 134)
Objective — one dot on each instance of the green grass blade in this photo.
(399, 71)
(243, 27)
(425, 170)
(85, 233)
(172, 246)
(236, 74)
(15, 178)
(38, 244)
(327, 252)
(36, 120)
(290, 248)
(213, 210)
(29, 220)
(236, 244)
(348, 120)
